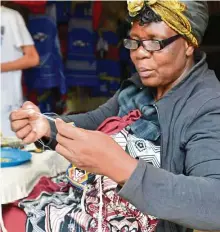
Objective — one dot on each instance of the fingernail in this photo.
(29, 107)
(30, 111)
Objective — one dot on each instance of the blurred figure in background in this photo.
(17, 53)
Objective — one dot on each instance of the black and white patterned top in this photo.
(138, 148)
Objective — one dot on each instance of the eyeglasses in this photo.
(149, 45)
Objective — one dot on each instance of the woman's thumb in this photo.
(29, 105)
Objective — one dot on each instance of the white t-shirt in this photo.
(14, 35)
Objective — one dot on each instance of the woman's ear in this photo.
(189, 49)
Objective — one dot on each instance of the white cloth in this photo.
(14, 35)
(17, 182)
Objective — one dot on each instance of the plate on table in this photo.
(10, 157)
(12, 142)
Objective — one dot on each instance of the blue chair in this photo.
(49, 73)
(80, 42)
(110, 37)
(80, 67)
(108, 67)
(63, 11)
(83, 10)
(81, 71)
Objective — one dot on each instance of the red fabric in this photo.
(113, 53)
(97, 11)
(114, 125)
(36, 7)
(14, 218)
(32, 96)
(11, 212)
(45, 184)
(63, 34)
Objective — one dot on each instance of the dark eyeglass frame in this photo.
(163, 43)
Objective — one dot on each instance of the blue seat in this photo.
(81, 71)
(83, 10)
(63, 9)
(80, 41)
(110, 37)
(49, 73)
(80, 67)
(108, 67)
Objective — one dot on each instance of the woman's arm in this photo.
(90, 120)
(193, 199)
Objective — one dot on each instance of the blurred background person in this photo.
(17, 53)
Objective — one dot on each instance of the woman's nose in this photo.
(142, 53)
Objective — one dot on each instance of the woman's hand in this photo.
(94, 151)
(28, 124)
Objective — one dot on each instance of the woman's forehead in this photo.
(151, 30)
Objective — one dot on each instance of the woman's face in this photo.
(162, 68)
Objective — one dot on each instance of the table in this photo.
(17, 182)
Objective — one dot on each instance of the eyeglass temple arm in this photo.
(168, 41)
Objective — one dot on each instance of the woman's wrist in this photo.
(48, 133)
(123, 170)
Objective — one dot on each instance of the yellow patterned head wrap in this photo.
(189, 18)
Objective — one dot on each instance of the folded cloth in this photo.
(12, 213)
(115, 124)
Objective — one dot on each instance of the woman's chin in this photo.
(149, 81)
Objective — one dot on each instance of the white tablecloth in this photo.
(17, 182)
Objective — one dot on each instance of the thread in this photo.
(31, 111)
(44, 146)
(83, 198)
(100, 205)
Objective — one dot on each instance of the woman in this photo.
(176, 98)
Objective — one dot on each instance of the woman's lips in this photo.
(145, 73)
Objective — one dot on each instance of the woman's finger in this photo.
(69, 131)
(65, 152)
(30, 105)
(19, 124)
(31, 137)
(19, 114)
(66, 142)
(24, 132)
